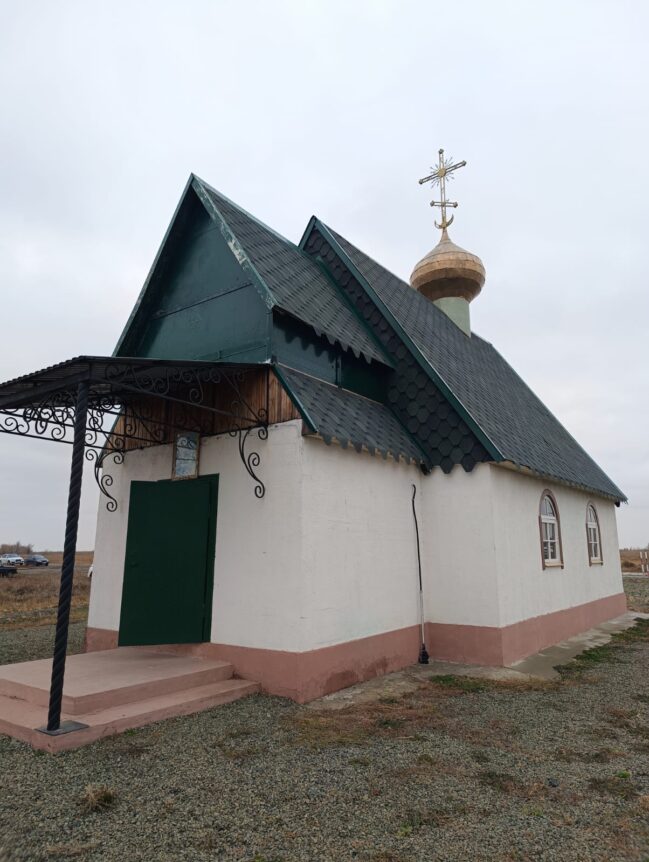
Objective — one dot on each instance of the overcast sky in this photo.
(334, 108)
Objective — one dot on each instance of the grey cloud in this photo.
(335, 108)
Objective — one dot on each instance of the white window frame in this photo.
(593, 536)
(550, 533)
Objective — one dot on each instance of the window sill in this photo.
(552, 564)
(596, 562)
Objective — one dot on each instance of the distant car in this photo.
(36, 560)
(11, 560)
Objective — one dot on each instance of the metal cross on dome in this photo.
(444, 169)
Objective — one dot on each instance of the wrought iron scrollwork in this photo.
(103, 479)
(131, 406)
(251, 460)
(50, 418)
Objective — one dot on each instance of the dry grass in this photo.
(630, 559)
(455, 684)
(415, 819)
(82, 558)
(506, 783)
(97, 798)
(598, 755)
(31, 596)
(429, 707)
(619, 785)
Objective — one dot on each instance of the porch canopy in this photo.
(48, 397)
(103, 406)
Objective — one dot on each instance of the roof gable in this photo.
(199, 283)
(292, 281)
(213, 249)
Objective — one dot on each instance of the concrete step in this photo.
(111, 678)
(20, 718)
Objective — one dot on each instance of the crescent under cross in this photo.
(438, 177)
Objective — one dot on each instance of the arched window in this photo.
(550, 531)
(592, 536)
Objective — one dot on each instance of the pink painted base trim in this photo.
(525, 638)
(488, 645)
(308, 675)
(99, 639)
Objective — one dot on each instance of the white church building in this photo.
(395, 482)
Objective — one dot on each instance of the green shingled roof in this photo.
(349, 419)
(294, 282)
(520, 426)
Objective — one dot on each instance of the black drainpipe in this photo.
(423, 652)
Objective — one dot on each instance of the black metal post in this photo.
(67, 567)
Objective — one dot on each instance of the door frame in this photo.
(213, 480)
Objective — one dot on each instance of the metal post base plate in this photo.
(64, 727)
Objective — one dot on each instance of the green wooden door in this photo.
(169, 563)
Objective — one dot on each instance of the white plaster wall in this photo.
(359, 549)
(329, 554)
(257, 573)
(257, 583)
(459, 560)
(527, 590)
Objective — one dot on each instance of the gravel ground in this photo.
(458, 770)
(36, 642)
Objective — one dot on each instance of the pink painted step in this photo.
(99, 680)
(19, 718)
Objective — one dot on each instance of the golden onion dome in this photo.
(448, 270)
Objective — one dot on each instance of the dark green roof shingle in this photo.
(296, 283)
(517, 422)
(337, 414)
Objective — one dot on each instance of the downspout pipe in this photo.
(423, 652)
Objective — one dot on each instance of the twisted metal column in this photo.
(67, 566)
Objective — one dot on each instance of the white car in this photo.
(11, 560)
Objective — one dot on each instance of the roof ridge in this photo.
(437, 378)
(245, 212)
(294, 247)
(368, 256)
(389, 271)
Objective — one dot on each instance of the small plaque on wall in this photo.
(186, 447)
